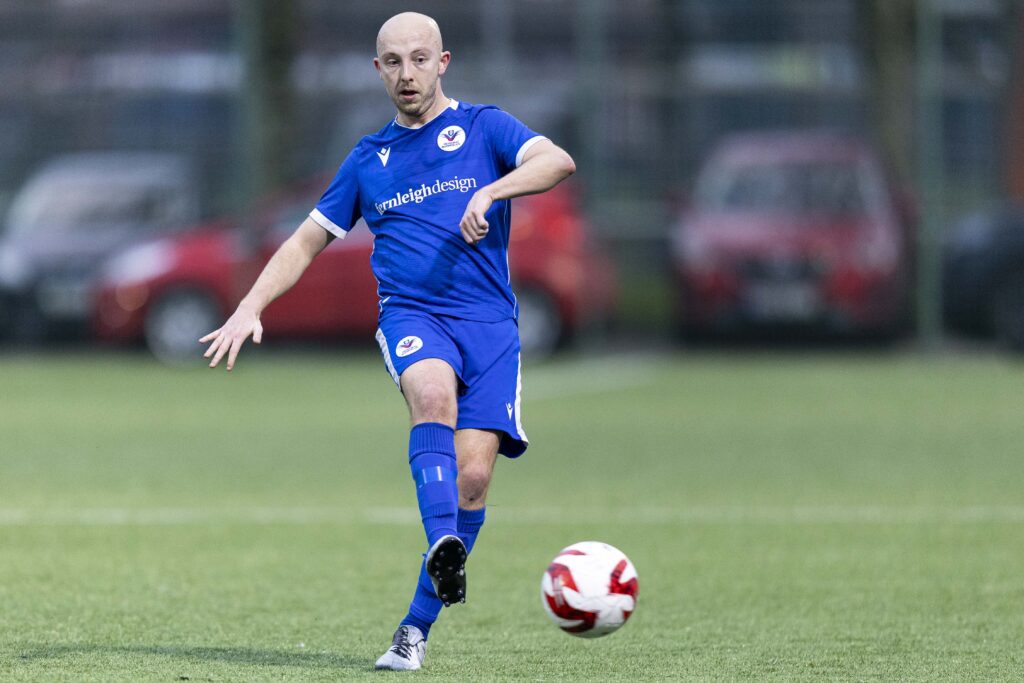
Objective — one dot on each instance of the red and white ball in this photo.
(589, 589)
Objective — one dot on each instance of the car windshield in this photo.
(73, 205)
(792, 188)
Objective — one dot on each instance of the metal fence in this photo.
(255, 93)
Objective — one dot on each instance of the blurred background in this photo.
(832, 170)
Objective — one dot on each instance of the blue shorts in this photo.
(485, 357)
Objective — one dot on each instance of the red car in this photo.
(171, 291)
(797, 232)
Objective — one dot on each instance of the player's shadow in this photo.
(198, 654)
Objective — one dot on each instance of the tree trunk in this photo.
(889, 41)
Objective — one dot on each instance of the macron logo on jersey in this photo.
(423, 191)
(384, 153)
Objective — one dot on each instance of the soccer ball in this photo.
(589, 589)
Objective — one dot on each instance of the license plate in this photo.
(62, 299)
(789, 301)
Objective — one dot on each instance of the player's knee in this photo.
(473, 481)
(434, 402)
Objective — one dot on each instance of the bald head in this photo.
(409, 26)
(410, 60)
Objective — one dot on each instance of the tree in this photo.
(267, 42)
(890, 40)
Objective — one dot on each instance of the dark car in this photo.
(983, 276)
(171, 291)
(794, 231)
(68, 219)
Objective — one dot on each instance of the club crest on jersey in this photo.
(451, 138)
(407, 346)
(384, 153)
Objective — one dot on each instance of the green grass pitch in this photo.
(792, 516)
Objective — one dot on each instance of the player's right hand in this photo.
(474, 225)
(229, 339)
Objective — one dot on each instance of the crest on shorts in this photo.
(407, 346)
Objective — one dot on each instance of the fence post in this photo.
(930, 172)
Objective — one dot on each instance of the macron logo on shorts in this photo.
(407, 346)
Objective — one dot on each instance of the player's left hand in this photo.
(473, 224)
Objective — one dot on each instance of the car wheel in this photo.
(175, 323)
(1008, 312)
(540, 325)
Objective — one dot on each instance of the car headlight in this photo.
(14, 268)
(140, 263)
(975, 234)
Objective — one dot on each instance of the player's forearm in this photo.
(285, 268)
(538, 173)
(281, 272)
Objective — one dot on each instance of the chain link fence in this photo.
(256, 94)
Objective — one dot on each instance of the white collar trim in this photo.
(453, 104)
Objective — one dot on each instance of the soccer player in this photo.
(433, 185)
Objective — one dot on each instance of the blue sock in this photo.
(469, 524)
(425, 606)
(433, 467)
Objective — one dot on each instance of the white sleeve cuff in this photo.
(327, 224)
(527, 145)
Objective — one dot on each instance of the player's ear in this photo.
(376, 65)
(445, 58)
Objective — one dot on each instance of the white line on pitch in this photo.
(800, 515)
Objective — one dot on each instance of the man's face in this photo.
(410, 66)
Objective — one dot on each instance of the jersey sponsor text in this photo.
(423, 191)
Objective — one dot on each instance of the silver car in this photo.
(68, 218)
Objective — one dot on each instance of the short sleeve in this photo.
(338, 208)
(509, 137)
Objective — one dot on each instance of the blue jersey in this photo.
(411, 186)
